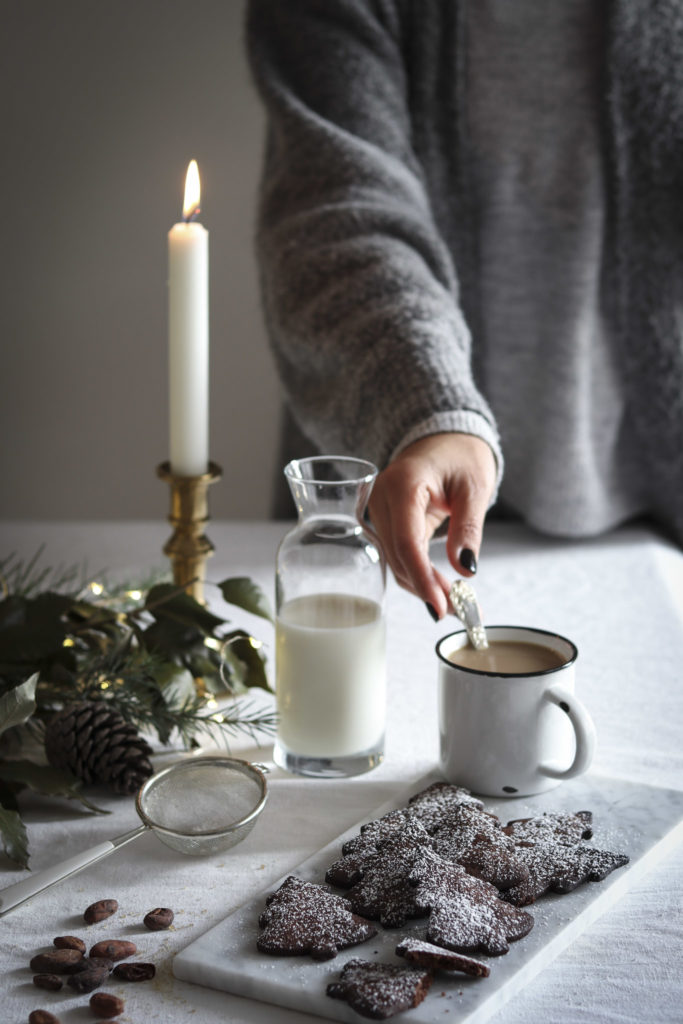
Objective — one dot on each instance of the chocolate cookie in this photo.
(476, 840)
(550, 846)
(431, 805)
(348, 870)
(426, 954)
(302, 917)
(565, 827)
(379, 990)
(466, 914)
(385, 892)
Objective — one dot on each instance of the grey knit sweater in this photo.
(371, 241)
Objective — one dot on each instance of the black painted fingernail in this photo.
(467, 560)
(432, 611)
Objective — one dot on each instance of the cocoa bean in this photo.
(57, 961)
(158, 919)
(88, 980)
(104, 1004)
(69, 942)
(134, 971)
(99, 911)
(113, 949)
(51, 982)
(42, 1017)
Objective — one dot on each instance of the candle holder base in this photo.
(188, 548)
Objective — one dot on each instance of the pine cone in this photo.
(94, 741)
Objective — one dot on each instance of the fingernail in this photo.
(467, 560)
(432, 611)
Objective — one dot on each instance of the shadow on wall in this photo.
(103, 105)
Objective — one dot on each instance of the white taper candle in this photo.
(188, 335)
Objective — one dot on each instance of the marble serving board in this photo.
(645, 822)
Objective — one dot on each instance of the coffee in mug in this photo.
(509, 721)
(508, 657)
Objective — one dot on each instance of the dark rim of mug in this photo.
(511, 675)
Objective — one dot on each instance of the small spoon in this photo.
(465, 605)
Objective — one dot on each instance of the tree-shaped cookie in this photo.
(384, 892)
(466, 914)
(379, 990)
(348, 870)
(550, 845)
(302, 917)
(476, 840)
(431, 805)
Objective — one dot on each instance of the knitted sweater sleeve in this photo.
(360, 292)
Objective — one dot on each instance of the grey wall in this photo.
(102, 105)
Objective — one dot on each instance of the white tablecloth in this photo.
(619, 598)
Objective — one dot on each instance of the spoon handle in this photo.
(16, 894)
(464, 602)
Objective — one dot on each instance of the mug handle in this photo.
(584, 731)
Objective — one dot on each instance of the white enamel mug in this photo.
(511, 734)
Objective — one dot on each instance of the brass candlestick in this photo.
(188, 547)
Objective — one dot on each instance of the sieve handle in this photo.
(14, 895)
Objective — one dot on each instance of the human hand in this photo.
(440, 476)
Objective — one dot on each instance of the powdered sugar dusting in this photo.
(385, 892)
(432, 804)
(380, 990)
(302, 917)
(550, 846)
(465, 913)
(348, 870)
(427, 954)
(476, 840)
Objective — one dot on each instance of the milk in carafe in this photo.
(330, 675)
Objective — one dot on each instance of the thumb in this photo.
(465, 528)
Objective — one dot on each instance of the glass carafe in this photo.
(330, 627)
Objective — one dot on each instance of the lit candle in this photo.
(188, 336)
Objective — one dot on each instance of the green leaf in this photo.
(170, 640)
(176, 683)
(165, 602)
(243, 592)
(18, 705)
(45, 779)
(102, 620)
(253, 668)
(32, 629)
(13, 836)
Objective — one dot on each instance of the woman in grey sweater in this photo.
(471, 242)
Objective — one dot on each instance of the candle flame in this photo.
(192, 192)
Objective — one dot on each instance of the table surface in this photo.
(620, 598)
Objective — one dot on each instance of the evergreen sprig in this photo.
(150, 650)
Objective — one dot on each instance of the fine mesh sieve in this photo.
(203, 806)
(198, 806)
